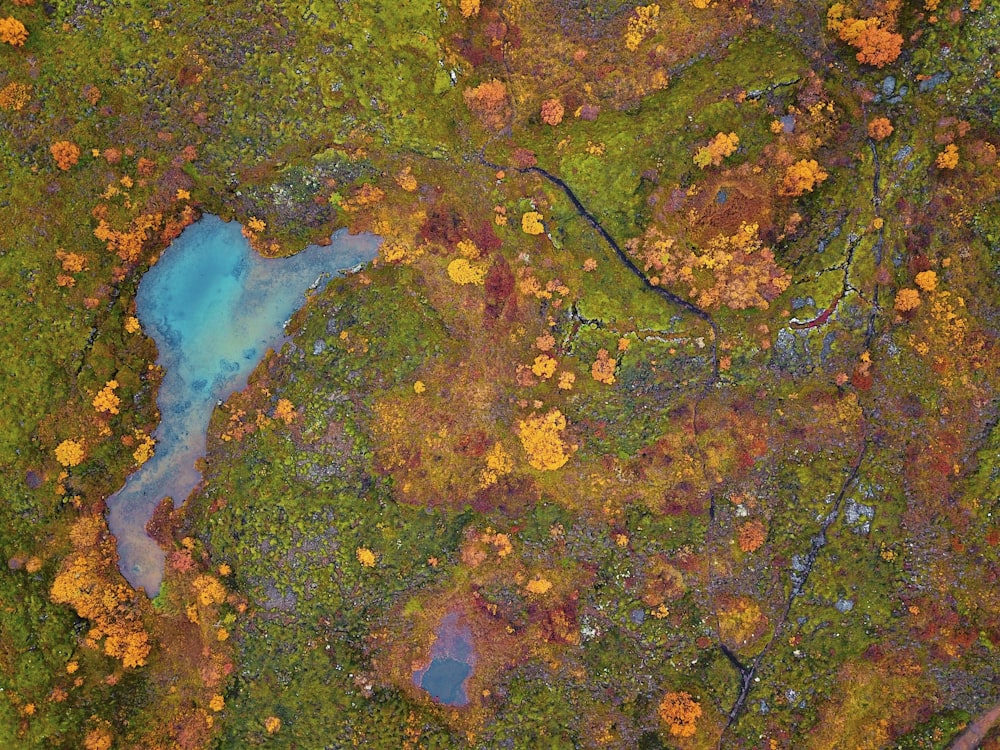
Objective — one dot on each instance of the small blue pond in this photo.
(452, 660)
(214, 307)
(444, 680)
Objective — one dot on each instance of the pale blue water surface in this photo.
(214, 307)
(452, 661)
(444, 680)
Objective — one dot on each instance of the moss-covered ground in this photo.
(745, 452)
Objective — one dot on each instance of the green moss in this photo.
(936, 733)
(347, 94)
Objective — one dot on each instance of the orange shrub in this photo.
(541, 438)
(14, 96)
(877, 46)
(880, 128)
(680, 712)
(751, 536)
(488, 101)
(603, 368)
(906, 300)
(552, 112)
(801, 177)
(721, 146)
(66, 154)
(12, 31)
(947, 159)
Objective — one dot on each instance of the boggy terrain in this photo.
(673, 387)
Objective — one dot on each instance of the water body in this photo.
(443, 680)
(452, 660)
(214, 307)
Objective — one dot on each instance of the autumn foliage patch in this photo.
(680, 712)
(65, 153)
(12, 31)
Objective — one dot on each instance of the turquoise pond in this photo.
(452, 661)
(214, 307)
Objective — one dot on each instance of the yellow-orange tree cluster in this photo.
(12, 31)
(640, 24)
(14, 96)
(721, 146)
(70, 453)
(128, 244)
(907, 300)
(106, 399)
(541, 438)
(603, 368)
(488, 101)
(65, 153)
(98, 738)
(876, 42)
(801, 177)
(680, 712)
(736, 270)
(89, 582)
(947, 159)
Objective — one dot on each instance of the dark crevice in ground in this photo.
(747, 674)
(625, 260)
(645, 333)
(740, 667)
(670, 297)
(879, 241)
(98, 326)
(846, 264)
(759, 93)
(846, 286)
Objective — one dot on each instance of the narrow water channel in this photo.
(214, 307)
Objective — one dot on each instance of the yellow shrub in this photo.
(531, 223)
(461, 271)
(541, 438)
(70, 452)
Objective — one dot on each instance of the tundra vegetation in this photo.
(673, 382)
